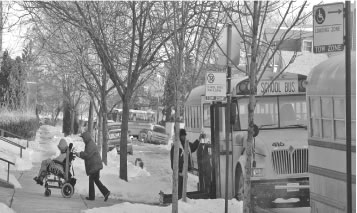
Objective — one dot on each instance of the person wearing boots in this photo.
(62, 146)
(93, 165)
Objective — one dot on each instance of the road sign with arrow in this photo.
(328, 28)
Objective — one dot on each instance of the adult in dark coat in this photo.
(93, 164)
(192, 148)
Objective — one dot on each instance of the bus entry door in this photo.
(219, 122)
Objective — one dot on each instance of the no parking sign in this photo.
(216, 85)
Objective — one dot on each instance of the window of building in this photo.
(307, 46)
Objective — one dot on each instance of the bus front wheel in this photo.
(239, 184)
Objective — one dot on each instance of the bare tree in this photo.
(127, 37)
(251, 19)
(188, 52)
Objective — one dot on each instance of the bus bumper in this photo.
(268, 190)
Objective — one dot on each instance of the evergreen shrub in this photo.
(20, 123)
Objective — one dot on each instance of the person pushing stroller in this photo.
(54, 164)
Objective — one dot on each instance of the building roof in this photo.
(303, 63)
(294, 33)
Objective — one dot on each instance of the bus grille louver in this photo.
(286, 162)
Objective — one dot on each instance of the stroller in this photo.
(60, 176)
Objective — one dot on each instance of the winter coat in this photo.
(192, 148)
(90, 155)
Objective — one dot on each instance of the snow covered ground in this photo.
(141, 190)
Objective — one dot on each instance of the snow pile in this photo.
(192, 206)
(142, 186)
(5, 209)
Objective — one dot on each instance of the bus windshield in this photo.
(274, 112)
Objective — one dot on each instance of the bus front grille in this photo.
(290, 162)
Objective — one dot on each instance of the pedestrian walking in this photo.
(191, 148)
(93, 164)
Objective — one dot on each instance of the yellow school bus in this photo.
(327, 135)
(280, 150)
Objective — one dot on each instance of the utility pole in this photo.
(348, 107)
(228, 113)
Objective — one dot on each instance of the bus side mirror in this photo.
(233, 113)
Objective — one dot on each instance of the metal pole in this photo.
(348, 107)
(8, 171)
(228, 113)
(157, 115)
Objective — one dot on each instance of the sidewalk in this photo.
(31, 199)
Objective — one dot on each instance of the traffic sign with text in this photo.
(328, 28)
(216, 85)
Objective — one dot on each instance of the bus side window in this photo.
(206, 115)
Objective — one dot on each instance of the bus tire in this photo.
(239, 184)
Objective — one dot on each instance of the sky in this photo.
(13, 38)
(142, 187)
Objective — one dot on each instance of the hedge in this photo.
(23, 124)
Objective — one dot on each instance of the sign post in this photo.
(348, 108)
(328, 28)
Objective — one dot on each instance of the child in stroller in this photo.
(58, 171)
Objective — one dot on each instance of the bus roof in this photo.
(328, 78)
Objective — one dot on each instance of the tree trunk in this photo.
(66, 125)
(123, 174)
(184, 171)
(90, 118)
(104, 114)
(247, 206)
(1, 28)
(72, 118)
(99, 131)
(175, 168)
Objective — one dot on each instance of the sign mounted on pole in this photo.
(328, 28)
(216, 85)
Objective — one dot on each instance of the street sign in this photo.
(216, 85)
(235, 47)
(328, 28)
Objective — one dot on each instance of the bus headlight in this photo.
(257, 172)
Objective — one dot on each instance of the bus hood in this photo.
(281, 139)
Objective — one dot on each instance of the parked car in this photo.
(156, 134)
(114, 134)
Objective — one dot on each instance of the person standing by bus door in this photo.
(191, 148)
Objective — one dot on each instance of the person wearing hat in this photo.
(62, 146)
(191, 148)
(93, 164)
